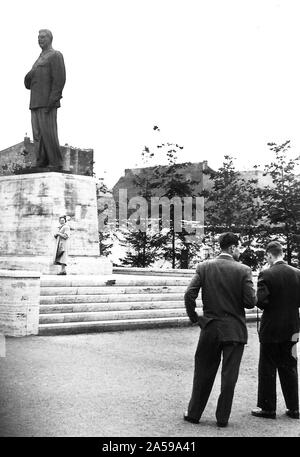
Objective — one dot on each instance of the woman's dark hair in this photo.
(63, 217)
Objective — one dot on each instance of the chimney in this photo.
(26, 140)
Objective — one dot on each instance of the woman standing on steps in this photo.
(61, 247)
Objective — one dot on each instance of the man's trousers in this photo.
(207, 360)
(279, 357)
(45, 137)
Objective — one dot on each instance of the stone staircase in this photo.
(82, 304)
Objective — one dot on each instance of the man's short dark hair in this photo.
(274, 248)
(228, 239)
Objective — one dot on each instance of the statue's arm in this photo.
(30, 74)
(27, 80)
(58, 73)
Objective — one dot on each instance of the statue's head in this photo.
(45, 38)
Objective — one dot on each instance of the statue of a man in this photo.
(46, 81)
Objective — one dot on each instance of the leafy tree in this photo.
(280, 209)
(164, 242)
(106, 237)
(171, 182)
(143, 247)
(232, 204)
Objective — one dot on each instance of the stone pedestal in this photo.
(19, 302)
(30, 205)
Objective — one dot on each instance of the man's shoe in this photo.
(187, 418)
(262, 413)
(222, 424)
(292, 414)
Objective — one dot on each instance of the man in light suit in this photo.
(278, 294)
(46, 81)
(227, 289)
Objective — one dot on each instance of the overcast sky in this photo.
(218, 77)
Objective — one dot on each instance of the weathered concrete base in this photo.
(19, 302)
(30, 206)
(78, 265)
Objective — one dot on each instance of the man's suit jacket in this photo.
(227, 288)
(46, 80)
(278, 293)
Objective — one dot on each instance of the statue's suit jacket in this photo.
(46, 80)
(278, 294)
(227, 288)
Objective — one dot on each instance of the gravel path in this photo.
(133, 383)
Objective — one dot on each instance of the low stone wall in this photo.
(153, 271)
(19, 302)
(162, 272)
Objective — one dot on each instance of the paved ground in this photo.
(134, 383)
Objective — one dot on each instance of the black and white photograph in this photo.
(149, 222)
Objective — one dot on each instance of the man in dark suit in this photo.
(278, 294)
(227, 289)
(46, 81)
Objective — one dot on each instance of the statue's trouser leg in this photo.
(39, 149)
(49, 144)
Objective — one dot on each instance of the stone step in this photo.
(116, 306)
(120, 325)
(111, 315)
(110, 326)
(153, 271)
(98, 290)
(110, 280)
(52, 300)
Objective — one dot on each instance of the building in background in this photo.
(20, 157)
(196, 172)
